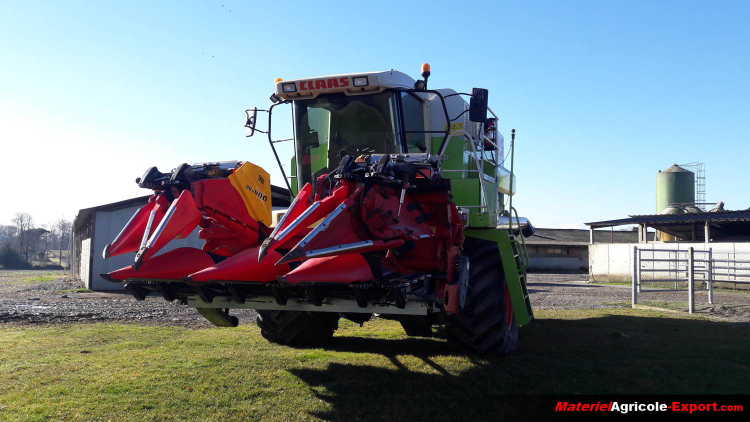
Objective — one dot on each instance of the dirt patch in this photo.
(571, 291)
(49, 297)
(53, 302)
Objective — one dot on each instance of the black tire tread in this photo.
(297, 328)
(481, 326)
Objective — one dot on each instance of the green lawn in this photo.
(77, 290)
(139, 373)
(42, 277)
(17, 277)
(723, 287)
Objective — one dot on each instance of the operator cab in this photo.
(385, 112)
(335, 116)
(331, 126)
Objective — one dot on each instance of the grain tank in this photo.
(675, 188)
(674, 185)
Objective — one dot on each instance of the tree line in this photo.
(23, 244)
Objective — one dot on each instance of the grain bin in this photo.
(674, 185)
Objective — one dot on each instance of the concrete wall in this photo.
(557, 257)
(614, 262)
(85, 259)
(610, 261)
(553, 263)
(107, 225)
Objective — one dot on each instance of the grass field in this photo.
(16, 277)
(129, 372)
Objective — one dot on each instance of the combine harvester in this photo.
(398, 210)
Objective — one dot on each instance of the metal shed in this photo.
(565, 250)
(712, 226)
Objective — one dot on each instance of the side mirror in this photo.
(252, 116)
(478, 105)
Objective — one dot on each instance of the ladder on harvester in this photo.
(519, 251)
(521, 259)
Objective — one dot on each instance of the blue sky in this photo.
(603, 94)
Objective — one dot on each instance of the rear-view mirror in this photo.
(252, 116)
(478, 105)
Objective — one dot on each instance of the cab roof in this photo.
(349, 83)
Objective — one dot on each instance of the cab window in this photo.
(334, 125)
(413, 113)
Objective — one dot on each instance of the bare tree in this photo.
(23, 222)
(61, 229)
(43, 247)
(7, 235)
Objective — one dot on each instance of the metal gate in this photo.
(670, 270)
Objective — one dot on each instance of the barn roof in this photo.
(550, 236)
(724, 225)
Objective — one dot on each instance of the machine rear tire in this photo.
(485, 324)
(297, 328)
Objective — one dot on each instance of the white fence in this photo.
(614, 261)
(673, 269)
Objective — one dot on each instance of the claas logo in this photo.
(261, 180)
(324, 84)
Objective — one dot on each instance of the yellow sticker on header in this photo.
(254, 186)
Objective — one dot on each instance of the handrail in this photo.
(482, 193)
(523, 239)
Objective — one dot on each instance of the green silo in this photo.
(674, 185)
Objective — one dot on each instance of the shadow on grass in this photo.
(415, 346)
(613, 354)
(422, 348)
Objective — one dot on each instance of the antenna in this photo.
(512, 154)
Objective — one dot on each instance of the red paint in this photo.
(130, 238)
(424, 235)
(302, 201)
(243, 266)
(452, 298)
(335, 269)
(172, 265)
(320, 84)
(180, 224)
(326, 206)
(226, 225)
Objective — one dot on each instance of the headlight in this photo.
(360, 81)
(289, 87)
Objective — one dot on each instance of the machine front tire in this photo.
(485, 324)
(297, 328)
